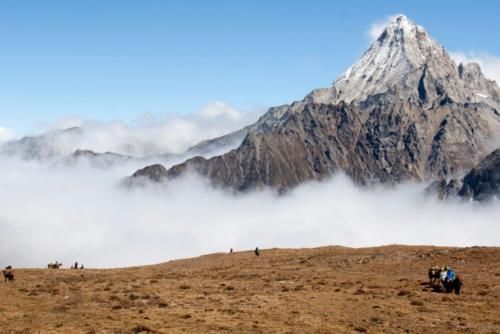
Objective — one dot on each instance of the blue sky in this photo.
(115, 60)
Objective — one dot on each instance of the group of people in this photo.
(75, 266)
(446, 278)
(58, 265)
(8, 273)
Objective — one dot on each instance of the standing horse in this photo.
(434, 275)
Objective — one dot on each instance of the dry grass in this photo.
(324, 290)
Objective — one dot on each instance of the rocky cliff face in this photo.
(481, 183)
(404, 111)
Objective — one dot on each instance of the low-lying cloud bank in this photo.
(81, 214)
(148, 135)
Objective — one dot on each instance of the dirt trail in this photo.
(322, 290)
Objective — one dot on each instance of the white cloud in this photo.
(219, 109)
(378, 27)
(490, 64)
(80, 214)
(149, 135)
(6, 134)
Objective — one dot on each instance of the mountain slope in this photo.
(219, 145)
(404, 111)
(70, 147)
(322, 290)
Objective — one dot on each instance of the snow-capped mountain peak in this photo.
(404, 58)
(404, 111)
(403, 62)
(401, 48)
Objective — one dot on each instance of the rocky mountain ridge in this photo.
(481, 183)
(47, 146)
(404, 112)
(66, 147)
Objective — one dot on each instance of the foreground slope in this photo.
(404, 111)
(324, 290)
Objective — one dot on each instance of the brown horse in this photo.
(434, 275)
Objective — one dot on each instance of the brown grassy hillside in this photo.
(323, 290)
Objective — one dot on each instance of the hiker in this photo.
(231, 251)
(81, 267)
(448, 279)
(75, 266)
(257, 251)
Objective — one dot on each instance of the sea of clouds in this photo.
(85, 214)
(148, 135)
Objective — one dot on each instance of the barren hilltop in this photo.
(321, 290)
